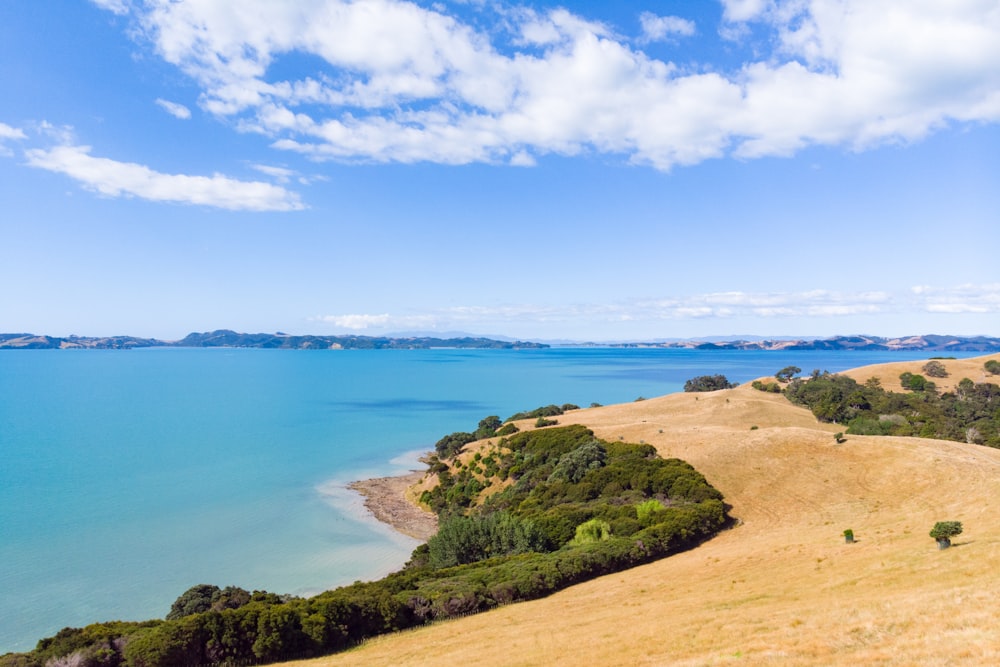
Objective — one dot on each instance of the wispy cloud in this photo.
(404, 82)
(128, 179)
(970, 299)
(720, 306)
(655, 28)
(383, 321)
(8, 133)
(174, 109)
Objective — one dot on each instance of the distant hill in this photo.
(927, 343)
(227, 338)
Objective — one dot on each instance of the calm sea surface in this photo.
(128, 476)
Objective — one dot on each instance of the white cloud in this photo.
(120, 7)
(974, 299)
(655, 28)
(382, 322)
(117, 179)
(174, 109)
(405, 83)
(8, 133)
(815, 304)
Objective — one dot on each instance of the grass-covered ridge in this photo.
(542, 510)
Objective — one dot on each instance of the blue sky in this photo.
(584, 170)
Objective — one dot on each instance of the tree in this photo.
(708, 383)
(943, 531)
(194, 600)
(992, 367)
(935, 369)
(787, 373)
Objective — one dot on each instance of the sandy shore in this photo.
(386, 498)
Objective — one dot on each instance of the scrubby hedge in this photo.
(515, 544)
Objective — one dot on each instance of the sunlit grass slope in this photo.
(783, 587)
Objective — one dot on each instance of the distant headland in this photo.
(227, 338)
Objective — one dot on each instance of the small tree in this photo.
(935, 369)
(849, 536)
(943, 531)
(787, 373)
(992, 367)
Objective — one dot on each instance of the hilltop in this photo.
(782, 587)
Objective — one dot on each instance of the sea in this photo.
(128, 476)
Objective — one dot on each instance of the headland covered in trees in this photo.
(564, 494)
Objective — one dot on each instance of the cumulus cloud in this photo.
(128, 179)
(174, 109)
(656, 28)
(401, 82)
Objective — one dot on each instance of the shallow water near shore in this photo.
(129, 476)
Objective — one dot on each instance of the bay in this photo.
(128, 476)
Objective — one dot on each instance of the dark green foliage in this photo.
(946, 529)
(708, 383)
(507, 429)
(969, 414)
(575, 464)
(787, 373)
(542, 422)
(992, 367)
(544, 411)
(915, 382)
(513, 545)
(943, 531)
(488, 427)
(205, 597)
(467, 539)
(450, 445)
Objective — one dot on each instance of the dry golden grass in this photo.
(781, 588)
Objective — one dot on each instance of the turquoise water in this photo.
(128, 476)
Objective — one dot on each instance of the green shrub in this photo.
(594, 530)
(708, 383)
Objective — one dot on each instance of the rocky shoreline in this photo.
(388, 500)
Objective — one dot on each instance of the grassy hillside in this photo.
(782, 587)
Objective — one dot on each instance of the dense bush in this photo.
(772, 387)
(708, 383)
(992, 367)
(971, 413)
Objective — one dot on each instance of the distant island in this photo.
(927, 343)
(228, 338)
(277, 341)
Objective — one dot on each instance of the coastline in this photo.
(388, 500)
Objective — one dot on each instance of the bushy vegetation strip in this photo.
(970, 414)
(540, 511)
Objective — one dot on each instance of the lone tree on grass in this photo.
(787, 373)
(943, 531)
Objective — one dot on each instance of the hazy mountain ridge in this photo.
(927, 343)
(227, 338)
